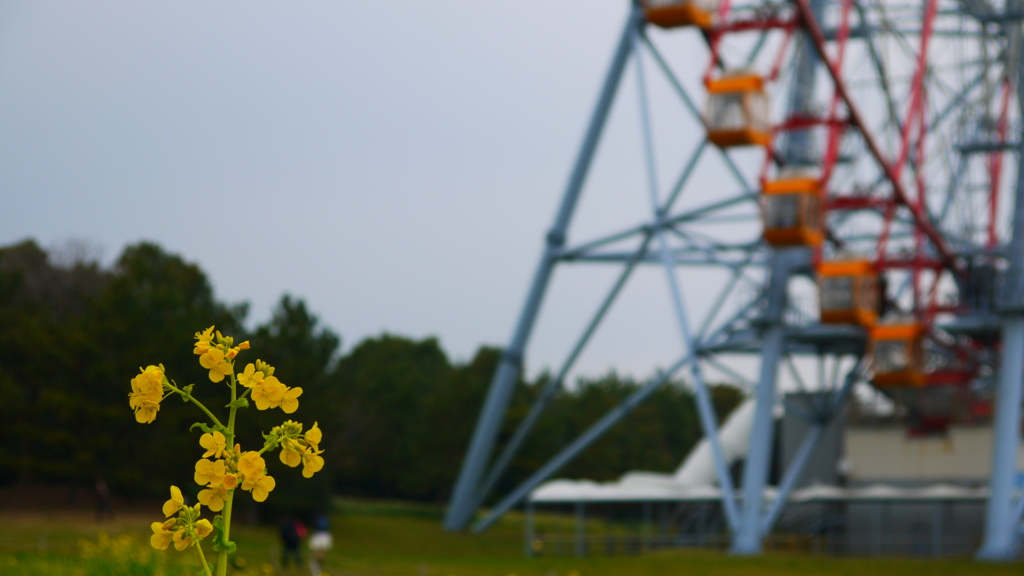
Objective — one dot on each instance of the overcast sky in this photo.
(396, 164)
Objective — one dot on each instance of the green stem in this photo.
(280, 441)
(202, 558)
(200, 404)
(231, 415)
(222, 559)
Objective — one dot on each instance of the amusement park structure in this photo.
(866, 148)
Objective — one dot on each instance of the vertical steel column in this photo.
(1000, 536)
(800, 149)
(1000, 533)
(755, 475)
(465, 494)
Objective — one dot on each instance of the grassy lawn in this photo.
(392, 539)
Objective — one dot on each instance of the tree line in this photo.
(396, 413)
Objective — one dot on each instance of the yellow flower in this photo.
(250, 376)
(203, 528)
(230, 481)
(244, 345)
(214, 442)
(148, 384)
(313, 436)
(269, 393)
(147, 392)
(311, 463)
(260, 487)
(213, 360)
(161, 537)
(203, 341)
(176, 503)
(290, 401)
(210, 473)
(147, 413)
(213, 498)
(251, 465)
(181, 540)
(291, 453)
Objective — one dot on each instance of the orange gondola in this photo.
(792, 212)
(677, 13)
(737, 112)
(898, 352)
(848, 292)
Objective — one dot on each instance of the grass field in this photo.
(393, 539)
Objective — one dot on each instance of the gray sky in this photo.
(394, 163)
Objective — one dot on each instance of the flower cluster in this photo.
(267, 390)
(217, 358)
(231, 468)
(298, 448)
(224, 467)
(147, 392)
(184, 529)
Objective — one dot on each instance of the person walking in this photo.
(319, 544)
(292, 532)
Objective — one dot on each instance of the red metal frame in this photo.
(926, 271)
(996, 163)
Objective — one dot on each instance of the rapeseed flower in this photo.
(213, 360)
(250, 376)
(312, 462)
(251, 465)
(162, 532)
(305, 451)
(269, 393)
(182, 539)
(203, 341)
(313, 436)
(215, 444)
(223, 468)
(291, 453)
(214, 497)
(147, 392)
(176, 503)
(210, 473)
(260, 486)
(290, 402)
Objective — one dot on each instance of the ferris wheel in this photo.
(861, 219)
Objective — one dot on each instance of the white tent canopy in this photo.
(696, 479)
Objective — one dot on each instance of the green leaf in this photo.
(208, 429)
(239, 403)
(220, 546)
(218, 539)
